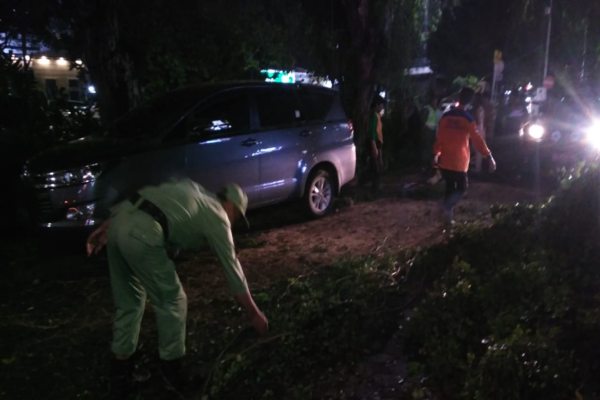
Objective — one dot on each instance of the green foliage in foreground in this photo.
(319, 324)
(513, 311)
(510, 311)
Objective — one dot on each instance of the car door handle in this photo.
(306, 133)
(249, 142)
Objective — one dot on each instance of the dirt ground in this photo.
(283, 243)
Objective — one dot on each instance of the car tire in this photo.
(319, 194)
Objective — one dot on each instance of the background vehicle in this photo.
(279, 142)
(557, 140)
(566, 130)
(544, 143)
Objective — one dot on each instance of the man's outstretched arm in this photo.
(257, 318)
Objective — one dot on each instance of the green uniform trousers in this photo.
(139, 268)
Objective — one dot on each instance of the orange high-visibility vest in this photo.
(456, 129)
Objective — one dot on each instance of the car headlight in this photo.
(592, 134)
(536, 131)
(70, 177)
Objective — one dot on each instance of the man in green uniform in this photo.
(179, 214)
(375, 143)
(432, 115)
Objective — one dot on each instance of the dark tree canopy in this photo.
(471, 30)
(135, 50)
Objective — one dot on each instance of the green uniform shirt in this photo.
(433, 117)
(196, 218)
(375, 128)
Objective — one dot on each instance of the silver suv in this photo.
(279, 142)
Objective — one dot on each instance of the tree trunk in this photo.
(108, 61)
(361, 79)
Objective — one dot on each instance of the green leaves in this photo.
(512, 309)
(329, 320)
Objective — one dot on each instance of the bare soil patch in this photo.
(282, 243)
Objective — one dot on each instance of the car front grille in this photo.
(46, 212)
(38, 180)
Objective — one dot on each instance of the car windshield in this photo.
(155, 117)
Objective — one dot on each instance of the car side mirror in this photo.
(198, 129)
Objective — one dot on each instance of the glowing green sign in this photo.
(274, 75)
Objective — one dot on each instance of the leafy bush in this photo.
(320, 323)
(511, 311)
(505, 312)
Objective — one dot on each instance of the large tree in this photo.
(470, 31)
(574, 51)
(134, 50)
(24, 25)
(375, 41)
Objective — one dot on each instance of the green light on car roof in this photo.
(279, 76)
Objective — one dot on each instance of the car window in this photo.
(314, 105)
(277, 108)
(153, 118)
(223, 116)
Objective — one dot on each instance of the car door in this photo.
(315, 107)
(220, 145)
(284, 143)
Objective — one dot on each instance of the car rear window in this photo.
(314, 105)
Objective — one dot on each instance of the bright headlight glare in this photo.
(536, 131)
(85, 174)
(593, 135)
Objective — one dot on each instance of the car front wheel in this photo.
(320, 193)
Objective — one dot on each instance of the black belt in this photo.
(151, 209)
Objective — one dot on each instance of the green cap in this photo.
(234, 193)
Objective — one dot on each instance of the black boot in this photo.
(121, 379)
(174, 375)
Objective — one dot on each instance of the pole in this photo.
(549, 14)
(493, 96)
(497, 76)
(537, 172)
(584, 53)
